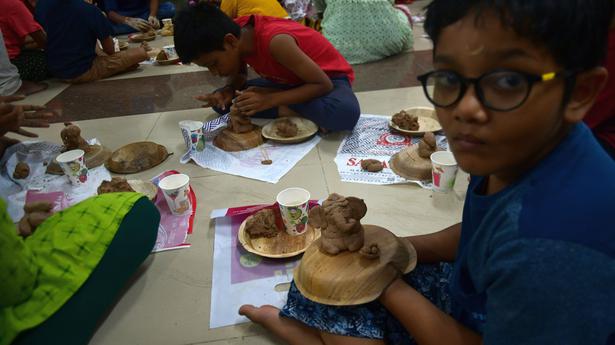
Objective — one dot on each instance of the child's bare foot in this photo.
(30, 87)
(291, 331)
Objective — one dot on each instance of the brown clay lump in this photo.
(22, 170)
(427, 145)
(117, 184)
(162, 56)
(406, 121)
(262, 224)
(286, 128)
(34, 214)
(71, 137)
(372, 165)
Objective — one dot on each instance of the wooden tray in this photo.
(146, 188)
(230, 141)
(136, 157)
(427, 121)
(350, 279)
(306, 129)
(281, 246)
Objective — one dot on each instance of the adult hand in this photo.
(219, 99)
(13, 117)
(252, 101)
(154, 22)
(138, 24)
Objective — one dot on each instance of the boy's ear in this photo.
(230, 41)
(587, 87)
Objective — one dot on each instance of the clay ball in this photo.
(117, 184)
(406, 121)
(427, 145)
(286, 128)
(262, 224)
(372, 165)
(22, 170)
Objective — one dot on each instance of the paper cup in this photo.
(443, 170)
(170, 50)
(176, 190)
(193, 135)
(293, 204)
(73, 164)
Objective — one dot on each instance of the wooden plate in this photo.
(136, 157)
(281, 246)
(427, 121)
(142, 36)
(408, 164)
(167, 62)
(350, 279)
(146, 188)
(306, 129)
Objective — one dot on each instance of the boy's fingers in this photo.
(12, 98)
(26, 133)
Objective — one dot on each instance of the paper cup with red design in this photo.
(73, 164)
(176, 190)
(443, 171)
(293, 204)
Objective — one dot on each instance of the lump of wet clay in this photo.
(34, 214)
(117, 184)
(427, 145)
(22, 170)
(71, 137)
(162, 56)
(262, 224)
(406, 121)
(372, 165)
(266, 162)
(286, 128)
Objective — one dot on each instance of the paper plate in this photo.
(427, 121)
(146, 188)
(140, 37)
(281, 246)
(305, 130)
(167, 62)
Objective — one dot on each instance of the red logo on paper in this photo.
(388, 139)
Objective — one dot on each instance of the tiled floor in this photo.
(168, 302)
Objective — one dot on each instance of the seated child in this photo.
(240, 8)
(17, 24)
(534, 255)
(301, 72)
(73, 26)
(136, 15)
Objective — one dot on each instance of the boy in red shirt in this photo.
(301, 72)
(17, 23)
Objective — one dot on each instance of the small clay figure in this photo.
(339, 220)
(117, 184)
(266, 162)
(162, 56)
(372, 165)
(22, 171)
(35, 214)
(406, 121)
(427, 145)
(71, 137)
(262, 224)
(286, 128)
(239, 123)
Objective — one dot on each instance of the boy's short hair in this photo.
(200, 29)
(575, 32)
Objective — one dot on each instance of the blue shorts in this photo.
(371, 320)
(338, 110)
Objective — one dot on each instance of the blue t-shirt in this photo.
(126, 7)
(536, 261)
(72, 27)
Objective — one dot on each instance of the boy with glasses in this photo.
(534, 256)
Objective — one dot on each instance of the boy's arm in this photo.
(40, 38)
(437, 247)
(107, 46)
(285, 51)
(427, 324)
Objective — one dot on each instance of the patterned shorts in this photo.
(371, 320)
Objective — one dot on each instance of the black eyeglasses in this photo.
(499, 90)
